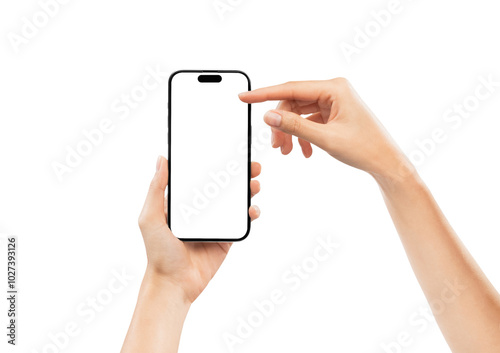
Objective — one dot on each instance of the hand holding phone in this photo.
(187, 266)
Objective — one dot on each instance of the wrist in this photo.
(404, 173)
(163, 286)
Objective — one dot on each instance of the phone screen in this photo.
(209, 156)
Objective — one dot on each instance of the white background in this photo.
(73, 233)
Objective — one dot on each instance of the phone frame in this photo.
(224, 240)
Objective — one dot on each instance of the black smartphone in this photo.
(209, 141)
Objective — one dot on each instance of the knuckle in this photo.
(341, 80)
(340, 87)
(295, 125)
(146, 222)
(154, 185)
(141, 221)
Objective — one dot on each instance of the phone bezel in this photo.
(225, 240)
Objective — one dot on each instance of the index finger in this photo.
(296, 90)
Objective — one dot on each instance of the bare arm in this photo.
(464, 302)
(158, 318)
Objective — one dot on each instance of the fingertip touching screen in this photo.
(209, 156)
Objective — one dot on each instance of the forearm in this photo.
(465, 304)
(158, 318)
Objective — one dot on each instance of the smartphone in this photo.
(209, 141)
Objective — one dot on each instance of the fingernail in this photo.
(257, 210)
(272, 118)
(272, 139)
(158, 163)
(242, 93)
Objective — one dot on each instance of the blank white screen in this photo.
(209, 157)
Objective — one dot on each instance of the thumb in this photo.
(153, 212)
(296, 125)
